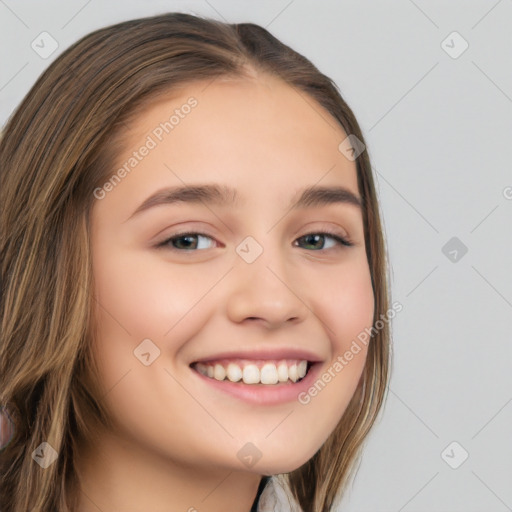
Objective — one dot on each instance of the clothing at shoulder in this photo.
(276, 497)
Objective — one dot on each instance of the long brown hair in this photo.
(57, 147)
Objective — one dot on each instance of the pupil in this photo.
(317, 237)
(186, 237)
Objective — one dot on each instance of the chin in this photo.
(282, 463)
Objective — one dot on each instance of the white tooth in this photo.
(292, 373)
(209, 369)
(251, 374)
(282, 372)
(268, 374)
(302, 368)
(219, 372)
(201, 368)
(234, 372)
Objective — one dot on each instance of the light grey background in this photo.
(439, 131)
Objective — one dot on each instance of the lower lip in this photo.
(264, 394)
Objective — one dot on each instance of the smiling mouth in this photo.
(285, 371)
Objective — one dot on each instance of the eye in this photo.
(187, 241)
(190, 241)
(318, 238)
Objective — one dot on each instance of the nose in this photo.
(265, 291)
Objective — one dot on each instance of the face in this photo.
(254, 283)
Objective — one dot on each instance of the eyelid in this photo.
(343, 239)
(167, 239)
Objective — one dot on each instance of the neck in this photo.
(115, 474)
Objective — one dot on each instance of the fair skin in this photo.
(176, 440)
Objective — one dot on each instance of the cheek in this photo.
(142, 297)
(347, 310)
(139, 298)
(348, 305)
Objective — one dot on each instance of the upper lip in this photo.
(270, 354)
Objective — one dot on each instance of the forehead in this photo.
(255, 134)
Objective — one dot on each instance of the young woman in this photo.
(193, 271)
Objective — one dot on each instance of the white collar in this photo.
(277, 497)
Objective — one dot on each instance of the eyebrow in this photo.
(222, 195)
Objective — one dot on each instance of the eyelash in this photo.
(343, 241)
